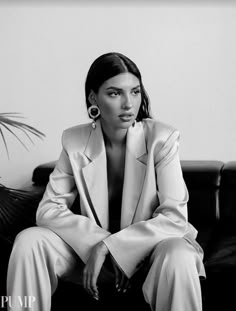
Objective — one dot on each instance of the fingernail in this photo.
(124, 290)
(117, 285)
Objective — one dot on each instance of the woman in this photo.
(125, 168)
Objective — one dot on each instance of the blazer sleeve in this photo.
(132, 244)
(54, 213)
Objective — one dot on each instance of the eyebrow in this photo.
(120, 89)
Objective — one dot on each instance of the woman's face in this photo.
(119, 99)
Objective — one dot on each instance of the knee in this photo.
(28, 240)
(175, 254)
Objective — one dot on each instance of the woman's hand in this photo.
(122, 282)
(93, 267)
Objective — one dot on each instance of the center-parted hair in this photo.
(109, 65)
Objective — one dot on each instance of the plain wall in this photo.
(186, 54)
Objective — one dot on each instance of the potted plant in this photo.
(17, 207)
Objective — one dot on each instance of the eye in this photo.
(114, 93)
(136, 92)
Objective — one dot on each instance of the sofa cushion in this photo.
(228, 194)
(223, 255)
(223, 246)
(229, 174)
(202, 173)
(203, 182)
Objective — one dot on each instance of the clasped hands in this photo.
(93, 268)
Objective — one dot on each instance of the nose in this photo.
(127, 102)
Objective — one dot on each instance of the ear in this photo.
(92, 98)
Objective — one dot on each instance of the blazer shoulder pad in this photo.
(157, 130)
(162, 139)
(75, 138)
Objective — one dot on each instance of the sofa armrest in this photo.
(41, 173)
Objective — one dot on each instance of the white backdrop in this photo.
(186, 54)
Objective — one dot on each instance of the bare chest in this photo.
(115, 173)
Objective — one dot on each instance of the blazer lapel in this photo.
(95, 176)
(135, 169)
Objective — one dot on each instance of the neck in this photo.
(113, 137)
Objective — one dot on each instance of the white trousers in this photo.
(39, 257)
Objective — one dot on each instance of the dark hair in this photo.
(109, 65)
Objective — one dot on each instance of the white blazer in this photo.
(154, 200)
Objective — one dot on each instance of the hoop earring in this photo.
(94, 113)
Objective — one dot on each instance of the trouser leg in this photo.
(38, 257)
(172, 283)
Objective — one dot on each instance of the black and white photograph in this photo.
(117, 155)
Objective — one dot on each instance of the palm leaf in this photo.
(17, 207)
(7, 120)
(17, 210)
(4, 141)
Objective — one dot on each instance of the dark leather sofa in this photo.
(212, 210)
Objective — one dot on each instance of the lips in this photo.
(126, 117)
